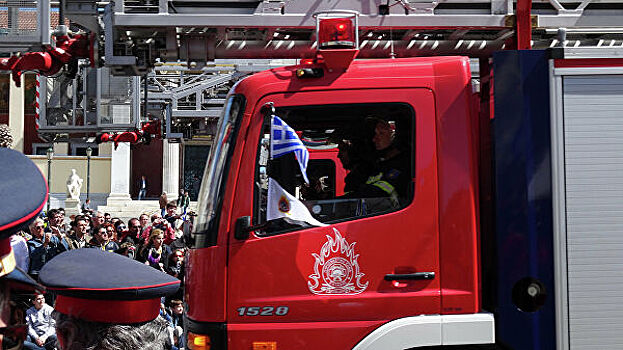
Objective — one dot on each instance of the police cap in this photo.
(23, 194)
(99, 286)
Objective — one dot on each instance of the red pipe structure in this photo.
(52, 59)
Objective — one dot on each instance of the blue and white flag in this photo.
(284, 140)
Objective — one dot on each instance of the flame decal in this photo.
(336, 270)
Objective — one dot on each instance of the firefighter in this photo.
(391, 178)
(106, 301)
(23, 194)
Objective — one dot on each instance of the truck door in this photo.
(328, 286)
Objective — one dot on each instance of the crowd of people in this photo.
(151, 239)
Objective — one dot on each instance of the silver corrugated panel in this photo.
(593, 131)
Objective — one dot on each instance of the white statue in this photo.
(74, 184)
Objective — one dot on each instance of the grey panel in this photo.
(593, 133)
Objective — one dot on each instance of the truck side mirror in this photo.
(242, 228)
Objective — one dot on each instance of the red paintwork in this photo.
(108, 310)
(588, 62)
(204, 292)
(52, 59)
(436, 232)
(337, 59)
(340, 172)
(523, 25)
(311, 335)
(206, 268)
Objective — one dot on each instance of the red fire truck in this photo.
(480, 249)
(418, 258)
(506, 232)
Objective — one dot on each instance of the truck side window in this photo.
(361, 163)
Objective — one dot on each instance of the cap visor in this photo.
(20, 281)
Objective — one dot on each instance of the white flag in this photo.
(281, 204)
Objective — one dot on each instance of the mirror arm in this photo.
(243, 227)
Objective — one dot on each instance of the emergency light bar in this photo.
(337, 29)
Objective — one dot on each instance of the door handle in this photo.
(410, 276)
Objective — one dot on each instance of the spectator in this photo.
(42, 247)
(176, 264)
(99, 220)
(176, 327)
(156, 253)
(184, 201)
(111, 232)
(163, 202)
(144, 221)
(56, 223)
(107, 218)
(176, 268)
(120, 229)
(142, 188)
(171, 216)
(86, 207)
(179, 198)
(177, 313)
(41, 325)
(157, 222)
(132, 234)
(127, 249)
(79, 235)
(177, 342)
(101, 239)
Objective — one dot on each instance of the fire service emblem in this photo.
(284, 204)
(336, 270)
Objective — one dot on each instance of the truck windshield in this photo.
(215, 175)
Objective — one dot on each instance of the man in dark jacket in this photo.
(142, 187)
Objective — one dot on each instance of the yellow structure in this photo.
(61, 169)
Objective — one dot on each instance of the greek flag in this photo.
(285, 140)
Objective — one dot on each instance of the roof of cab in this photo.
(400, 72)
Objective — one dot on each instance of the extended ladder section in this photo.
(201, 31)
(134, 34)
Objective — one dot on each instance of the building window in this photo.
(40, 149)
(81, 149)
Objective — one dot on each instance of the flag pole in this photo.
(269, 109)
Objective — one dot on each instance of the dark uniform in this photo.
(389, 183)
(393, 175)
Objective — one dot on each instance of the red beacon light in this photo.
(337, 38)
(336, 33)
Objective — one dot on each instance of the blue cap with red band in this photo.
(95, 285)
(23, 194)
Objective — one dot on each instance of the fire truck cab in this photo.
(394, 267)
